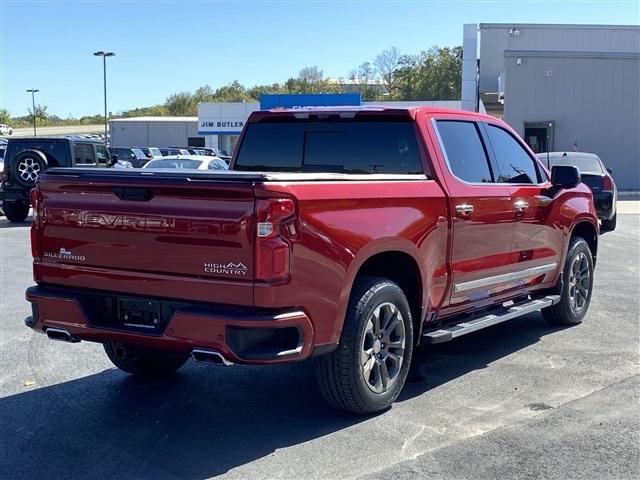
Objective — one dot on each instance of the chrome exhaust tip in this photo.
(61, 335)
(209, 356)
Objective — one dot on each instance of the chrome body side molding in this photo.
(504, 278)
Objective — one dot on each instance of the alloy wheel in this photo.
(382, 349)
(579, 282)
(29, 169)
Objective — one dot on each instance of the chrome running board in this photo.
(453, 330)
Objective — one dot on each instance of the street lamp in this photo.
(104, 56)
(33, 91)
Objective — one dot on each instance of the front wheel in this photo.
(577, 286)
(367, 371)
(143, 362)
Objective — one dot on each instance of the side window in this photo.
(102, 154)
(464, 150)
(514, 163)
(84, 154)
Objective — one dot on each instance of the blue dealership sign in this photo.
(300, 100)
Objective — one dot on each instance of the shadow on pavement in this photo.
(206, 420)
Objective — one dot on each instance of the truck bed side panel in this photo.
(340, 226)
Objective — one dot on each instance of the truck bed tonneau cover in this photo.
(223, 175)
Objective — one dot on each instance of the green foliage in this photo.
(5, 117)
(181, 104)
(431, 75)
(41, 113)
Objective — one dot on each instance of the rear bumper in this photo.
(605, 205)
(241, 335)
(13, 195)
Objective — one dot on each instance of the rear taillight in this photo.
(272, 247)
(607, 183)
(36, 205)
(3, 176)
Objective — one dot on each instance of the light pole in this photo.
(33, 91)
(104, 56)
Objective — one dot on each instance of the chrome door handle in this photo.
(464, 209)
(520, 205)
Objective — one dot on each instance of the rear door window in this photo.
(357, 147)
(84, 154)
(54, 150)
(464, 151)
(514, 163)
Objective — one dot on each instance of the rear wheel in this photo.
(577, 286)
(367, 371)
(143, 362)
(16, 211)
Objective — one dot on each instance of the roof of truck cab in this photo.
(368, 109)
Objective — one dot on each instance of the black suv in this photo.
(27, 158)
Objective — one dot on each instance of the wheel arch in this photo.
(585, 229)
(397, 262)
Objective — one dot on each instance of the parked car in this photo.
(133, 155)
(352, 235)
(194, 162)
(151, 152)
(174, 151)
(5, 129)
(27, 158)
(210, 152)
(597, 177)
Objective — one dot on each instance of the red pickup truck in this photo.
(351, 234)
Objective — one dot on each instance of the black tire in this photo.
(143, 362)
(27, 167)
(345, 375)
(16, 212)
(577, 286)
(609, 225)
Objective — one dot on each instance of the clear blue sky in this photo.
(163, 47)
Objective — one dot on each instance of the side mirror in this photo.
(565, 176)
(610, 170)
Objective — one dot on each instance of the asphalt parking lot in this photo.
(519, 400)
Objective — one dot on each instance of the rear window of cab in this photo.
(358, 147)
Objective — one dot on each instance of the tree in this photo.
(386, 64)
(364, 77)
(41, 113)
(204, 94)
(431, 75)
(255, 91)
(311, 80)
(5, 117)
(181, 104)
(234, 92)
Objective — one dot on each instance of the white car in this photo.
(190, 162)
(5, 129)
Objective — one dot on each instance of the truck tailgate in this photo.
(173, 225)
